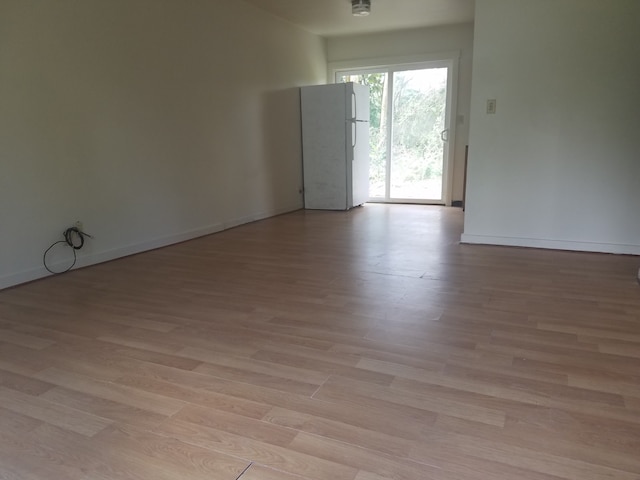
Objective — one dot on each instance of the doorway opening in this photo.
(409, 131)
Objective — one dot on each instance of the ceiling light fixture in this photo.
(360, 8)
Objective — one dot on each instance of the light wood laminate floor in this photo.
(367, 345)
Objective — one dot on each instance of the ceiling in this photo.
(333, 17)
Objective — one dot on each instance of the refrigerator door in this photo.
(324, 147)
(358, 152)
(360, 165)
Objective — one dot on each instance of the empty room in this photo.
(197, 283)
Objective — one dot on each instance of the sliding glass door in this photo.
(408, 131)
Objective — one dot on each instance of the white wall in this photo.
(558, 166)
(152, 121)
(419, 42)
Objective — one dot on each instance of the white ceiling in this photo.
(333, 17)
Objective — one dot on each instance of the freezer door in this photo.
(360, 101)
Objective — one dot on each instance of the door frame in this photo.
(415, 62)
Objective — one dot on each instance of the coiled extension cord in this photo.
(74, 238)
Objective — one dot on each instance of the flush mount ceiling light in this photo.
(360, 8)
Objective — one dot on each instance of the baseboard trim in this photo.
(552, 244)
(30, 275)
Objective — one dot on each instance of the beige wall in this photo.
(152, 121)
(558, 165)
(419, 43)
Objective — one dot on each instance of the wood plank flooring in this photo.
(367, 345)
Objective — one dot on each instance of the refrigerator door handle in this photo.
(354, 129)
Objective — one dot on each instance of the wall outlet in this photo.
(491, 106)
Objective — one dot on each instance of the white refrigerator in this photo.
(335, 145)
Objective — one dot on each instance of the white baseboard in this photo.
(29, 275)
(552, 244)
(260, 216)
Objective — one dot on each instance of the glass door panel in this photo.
(418, 132)
(378, 92)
